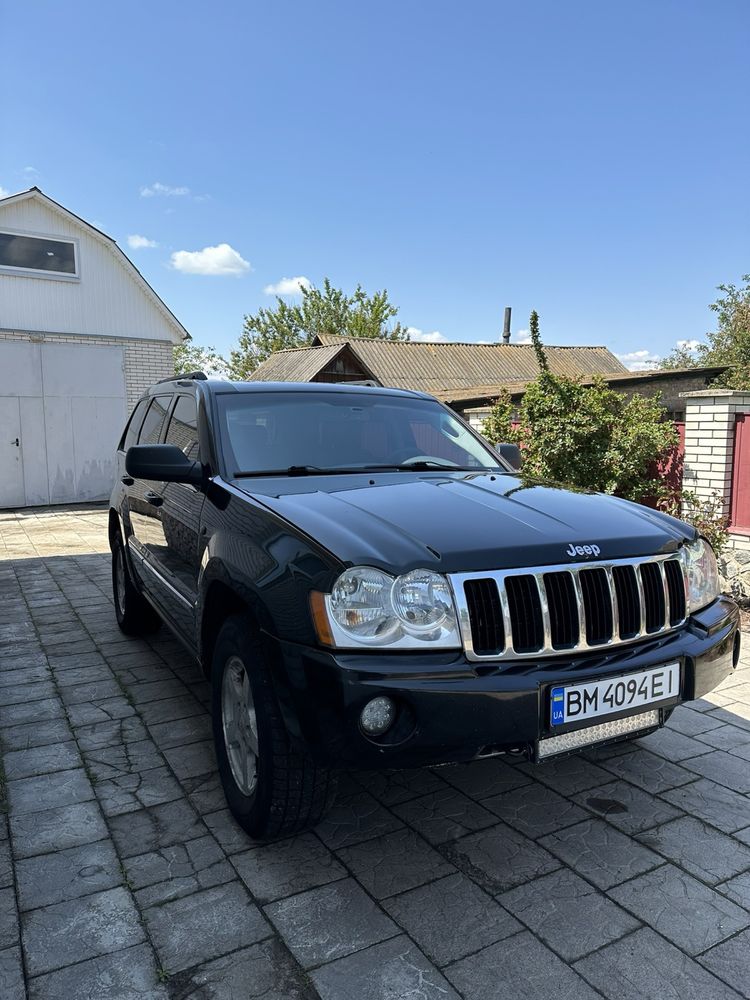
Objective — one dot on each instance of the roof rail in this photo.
(200, 376)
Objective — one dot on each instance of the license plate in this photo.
(579, 702)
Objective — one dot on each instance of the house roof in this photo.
(438, 368)
(107, 241)
(480, 393)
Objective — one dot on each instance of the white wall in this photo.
(106, 301)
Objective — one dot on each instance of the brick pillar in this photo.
(709, 440)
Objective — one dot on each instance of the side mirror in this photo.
(162, 463)
(511, 453)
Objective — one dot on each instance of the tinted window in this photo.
(333, 430)
(183, 427)
(154, 420)
(37, 254)
(131, 434)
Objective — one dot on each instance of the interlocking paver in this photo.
(627, 807)
(701, 850)
(730, 962)
(11, 974)
(600, 853)
(67, 874)
(394, 862)
(264, 971)
(681, 909)
(451, 918)
(535, 810)
(526, 968)
(393, 969)
(715, 804)
(287, 868)
(643, 966)
(177, 871)
(568, 913)
(130, 974)
(330, 922)
(500, 858)
(59, 935)
(444, 815)
(64, 788)
(56, 829)
(139, 719)
(41, 760)
(204, 925)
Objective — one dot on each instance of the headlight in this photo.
(702, 574)
(368, 607)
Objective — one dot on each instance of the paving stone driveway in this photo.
(623, 874)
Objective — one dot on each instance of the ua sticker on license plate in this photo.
(588, 701)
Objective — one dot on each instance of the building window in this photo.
(38, 255)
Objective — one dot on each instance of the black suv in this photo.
(367, 583)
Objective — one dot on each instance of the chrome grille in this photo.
(551, 610)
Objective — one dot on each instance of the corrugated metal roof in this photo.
(443, 366)
(299, 364)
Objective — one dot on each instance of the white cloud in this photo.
(522, 337)
(157, 188)
(221, 259)
(4, 193)
(434, 337)
(640, 361)
(136, 242)
(689, 345)
(288, 286)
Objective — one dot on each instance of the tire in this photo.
(135, 616)
(272, 789)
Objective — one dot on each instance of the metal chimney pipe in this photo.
(506, 326)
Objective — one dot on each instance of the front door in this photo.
(11, 463)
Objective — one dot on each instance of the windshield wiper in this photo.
(295, 470)
(424, 466)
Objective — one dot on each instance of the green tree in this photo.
(190, 357)
(321, 310)
(729, 344)
(587, 436)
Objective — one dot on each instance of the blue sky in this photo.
(588, 159)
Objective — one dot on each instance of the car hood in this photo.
(462, 522)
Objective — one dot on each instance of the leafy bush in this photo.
(585, 436)
(704, 513)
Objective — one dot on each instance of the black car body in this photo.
(552, 589)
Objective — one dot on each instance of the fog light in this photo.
(377, 716)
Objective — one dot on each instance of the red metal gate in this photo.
(740, 503)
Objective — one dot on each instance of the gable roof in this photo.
(123, 260)
(438, 367)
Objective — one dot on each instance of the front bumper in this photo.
(452, 710)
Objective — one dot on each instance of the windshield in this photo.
(309, 432)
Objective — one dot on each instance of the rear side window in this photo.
(152, 424)
(183, 427)
(134, 425)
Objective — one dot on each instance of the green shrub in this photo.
(585, 436)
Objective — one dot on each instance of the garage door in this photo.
(62, 410)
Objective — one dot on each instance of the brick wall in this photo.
(145, 360)
(709, 445)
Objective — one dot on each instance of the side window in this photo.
(183, 427)
(152, 424)
(134, 425)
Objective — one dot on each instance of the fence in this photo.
(739, 518)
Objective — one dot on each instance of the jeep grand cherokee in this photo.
(368, 584)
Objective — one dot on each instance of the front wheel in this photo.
(272, 788)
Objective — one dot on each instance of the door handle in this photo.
(128, 480)
(17, 443)
(153, 498)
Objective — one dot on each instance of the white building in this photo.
(82, 333)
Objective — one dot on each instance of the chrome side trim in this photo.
(162, 579)
(457, 581)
